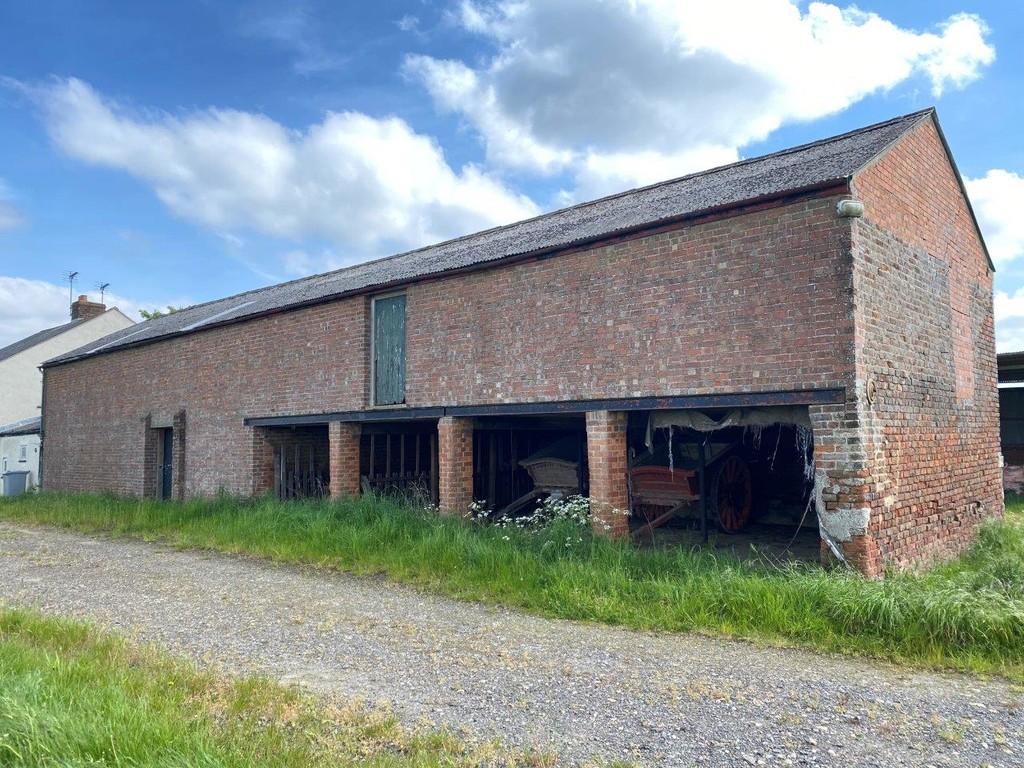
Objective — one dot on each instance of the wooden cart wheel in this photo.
(731, 497)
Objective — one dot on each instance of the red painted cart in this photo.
(660, 493)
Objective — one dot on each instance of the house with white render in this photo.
(21, 386)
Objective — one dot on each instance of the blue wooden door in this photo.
(389, 350)
(166, 463)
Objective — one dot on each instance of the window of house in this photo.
(23, 452)
(388, 351)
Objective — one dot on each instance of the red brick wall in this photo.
(925, 344)
(751, 302)
(298, 362)
(263, 469)
(755, 302)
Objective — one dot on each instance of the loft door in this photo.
(389, 350)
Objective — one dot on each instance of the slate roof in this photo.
(808, 166)
(32, 426)
(36, 338)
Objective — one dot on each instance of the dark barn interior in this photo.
(734, 478)
(748, 482)
(400, 459)
(301, 461)
(501, 446)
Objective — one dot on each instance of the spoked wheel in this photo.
(731, 494)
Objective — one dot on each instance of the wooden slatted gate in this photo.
(400, 461)
(297, 473)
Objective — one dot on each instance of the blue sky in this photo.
(186, 151)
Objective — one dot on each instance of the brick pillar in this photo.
(843, 487)
(344, 458)
(149, 459)
(606, 454)
(455, 464)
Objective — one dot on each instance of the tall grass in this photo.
(968, 614)
(70, 696)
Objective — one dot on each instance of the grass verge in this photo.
(70, 695)
(967, 614)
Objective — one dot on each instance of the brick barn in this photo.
(810, 330)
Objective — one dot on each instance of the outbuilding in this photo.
(808, 333)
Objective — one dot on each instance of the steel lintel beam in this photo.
(730, 400)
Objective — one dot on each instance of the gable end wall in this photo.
(925, 346)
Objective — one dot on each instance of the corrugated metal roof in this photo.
(1010, 367)
(31, 426)
(36, 338)
(804, 167)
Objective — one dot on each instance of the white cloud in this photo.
(996, 198)
(10, 216)
(959, 54)
(299, 263)
(293, 30)
(676, 84)
(29, 306)
(365, 184)
(1009, 312)
(408, 23)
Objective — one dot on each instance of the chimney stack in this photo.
(83, 309)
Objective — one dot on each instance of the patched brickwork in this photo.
(180, 461)
(151, 455)
(262, 462)
(843, 475)
(344, 444)
(607, 460)
(455, 464)
(926, 365)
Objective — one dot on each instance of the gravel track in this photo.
(579, 690)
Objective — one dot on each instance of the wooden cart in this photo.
(657, 492)
(660, 492)
(554, 472)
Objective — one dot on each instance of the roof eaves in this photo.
(29, 426)
(918, 118)
(1010, 358)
